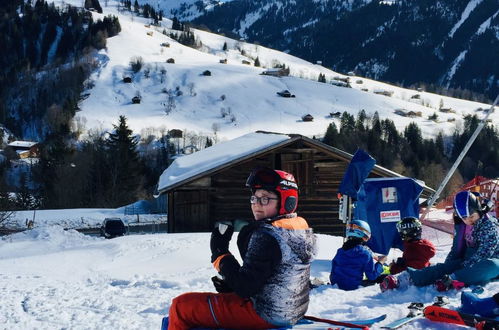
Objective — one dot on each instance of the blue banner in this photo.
(359, 168)
(382, 202)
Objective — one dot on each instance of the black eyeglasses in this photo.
(261, 200)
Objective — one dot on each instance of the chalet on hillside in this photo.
(209, 185)
(25, 149)
(276, 72)
(383, 92)
(308, 117)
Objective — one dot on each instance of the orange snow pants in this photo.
(214, 310)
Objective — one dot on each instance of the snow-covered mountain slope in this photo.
(236, 98)
(393, 41)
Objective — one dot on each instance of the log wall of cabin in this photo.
(225, 197)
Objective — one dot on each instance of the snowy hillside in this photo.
(56, 279)
(236, 98)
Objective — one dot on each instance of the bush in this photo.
(136, 63)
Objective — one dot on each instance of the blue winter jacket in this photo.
(350, 265)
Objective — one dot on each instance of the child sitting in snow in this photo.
(354, 259)
(474, 255)
(417, 251)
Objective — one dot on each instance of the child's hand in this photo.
(381, 259)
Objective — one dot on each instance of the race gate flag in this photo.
(389, 216)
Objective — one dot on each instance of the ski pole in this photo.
(482, 123)
(343, 324)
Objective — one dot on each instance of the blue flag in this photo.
(358, 170)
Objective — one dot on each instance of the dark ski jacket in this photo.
(417, 254)
(275, 272)
(350, 264)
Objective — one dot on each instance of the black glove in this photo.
(220, 238)
(220, 285)
(400, 262)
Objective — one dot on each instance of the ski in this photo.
(309, 324)
(415, 312)
(445, 315)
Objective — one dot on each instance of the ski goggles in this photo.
(353, 227)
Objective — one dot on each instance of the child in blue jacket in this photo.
(354, 259)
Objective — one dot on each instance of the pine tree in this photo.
(224, 48)
(176, 25)
(257, 62)
(24, 199)
(331, 136)
(126, 169)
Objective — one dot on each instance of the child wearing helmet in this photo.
(417, 251)
(354, 259)
(474, 255)
(271, 287)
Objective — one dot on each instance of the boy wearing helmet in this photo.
(417, 251)
(474, 256)
(354, 259)
(271, 287)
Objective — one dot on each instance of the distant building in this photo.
(308, 117)
(383, 92)
(488, 189)
(276, 72)
(25, 149)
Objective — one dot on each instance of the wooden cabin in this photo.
(276, 72)
(308, 117)
(209, 185)
(25, 149)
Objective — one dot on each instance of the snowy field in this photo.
(56, 279)
(77, 218)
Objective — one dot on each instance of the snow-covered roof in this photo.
(22, 144)
(186, 167)
(191, 167)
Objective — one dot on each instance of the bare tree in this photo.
(6, 206)
(215, 127)
(170, 103)
(192, 91)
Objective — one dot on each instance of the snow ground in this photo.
(56, 279)
(77, 218)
